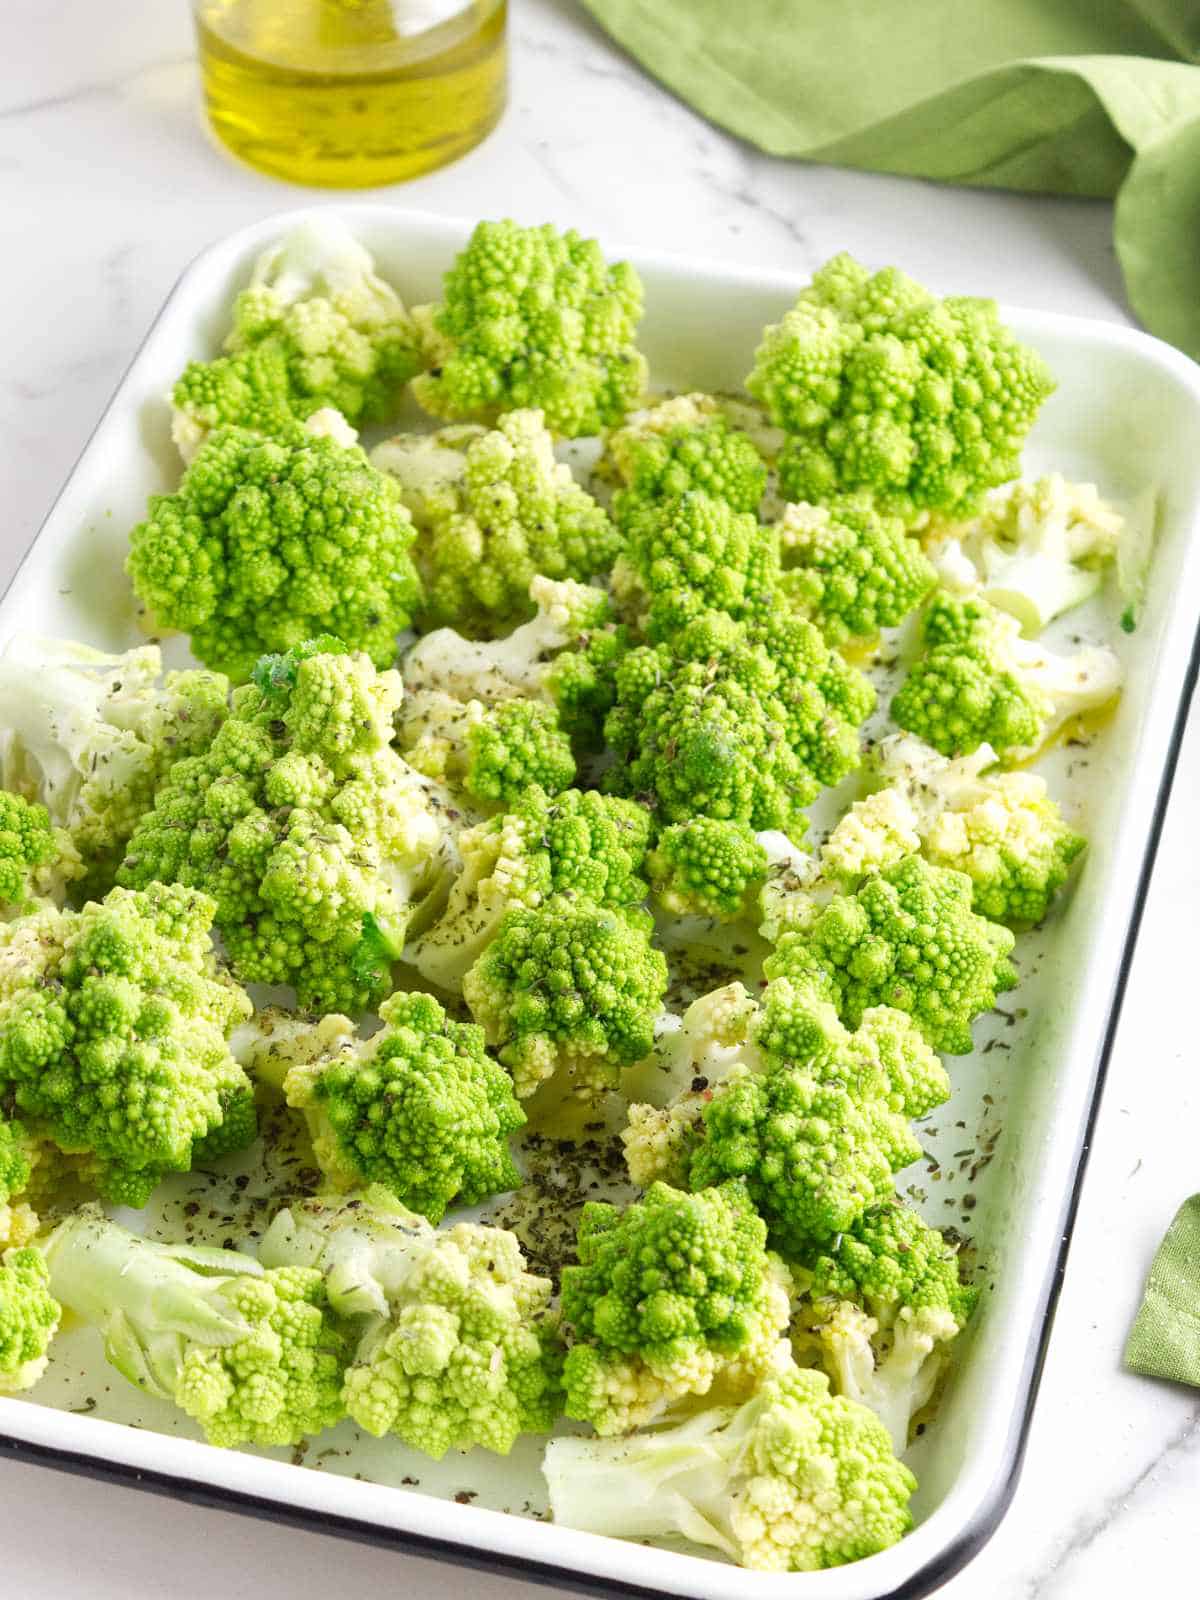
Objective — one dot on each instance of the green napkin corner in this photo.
(1099, 98)
(1165, 1339)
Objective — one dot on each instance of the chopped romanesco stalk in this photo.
(315, 328)
(793, 1480)
(743, 723)
(851, 569)
(879, 1308)
(565, 655)
(577, 842)
(253, 1354)
(922, 403)
(673, 1294)
(270, 541)
(419, 1108)
(909, 939)
(533, 317)
(457, 1346)
(1000, 828)
(113, 1029)
(509, 513)
(1037, 548)
(29, 1316)
(91, 736)
(978, 682)
(707, 867)
(678, 445)
(568, 987)
(316, 840)
(494, 754)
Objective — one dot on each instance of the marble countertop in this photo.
(111, 184)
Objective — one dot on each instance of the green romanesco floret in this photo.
(878, 1311)
(1001, 828)
(510, 513)
(37, 860)
(707, 867)
(419, 1108)
(850, 568)
(113, 1029)
(29, 1316)
(318, 843)
(909, 939)
(91, 736)
(565, 655)
(678, 445)
(457, 1345)
(979, 682)
(493, 754)
(673, 1295)
(253, 1354)
(922, 403)
(793, 1480)
(316, 327)
(18, 1220)
(690, 555)
(577, 842)
(270, 541)
(744, 723)
(1038, 547)
(568, 987)
(533, 317)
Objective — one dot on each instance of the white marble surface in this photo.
(110, 185)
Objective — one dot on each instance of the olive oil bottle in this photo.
(350, 93)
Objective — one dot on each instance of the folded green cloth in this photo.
(1165, 1339)
(1087, 97)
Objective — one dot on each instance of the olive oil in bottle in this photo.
(350, 93)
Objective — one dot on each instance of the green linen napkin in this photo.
(1087, 97)
(1165, 1339)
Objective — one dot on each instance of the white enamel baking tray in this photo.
(1005, 1156)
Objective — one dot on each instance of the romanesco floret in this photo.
(37, 860)
(690, 555)
(669, 1090)
(493, 754)
(907, 938)
(672, 1295)
(745, 723)
(566, 655)
(979, 682)
(29, 1316)
(419, 1108)
(881, 1306)
(793, 1480)
(1001, 828)
(533, 317)
(851, 569)
(681, 444)
(113, 1029)
(1037, 548)
(457, 1345)
(923, 404)
(511, 512)
(91, 736)
(18, 1220)
(252, 1354)
(315, 328)
(269, 541)
(317, 842)
(577, 842)
(568, 987)
(707, 867)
